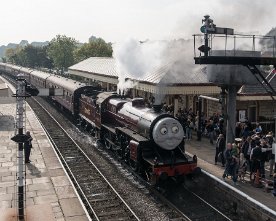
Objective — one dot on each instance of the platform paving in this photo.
(49, 194)
(206, 160)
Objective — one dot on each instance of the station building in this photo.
(181, 88)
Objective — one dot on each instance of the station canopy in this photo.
(174, 76)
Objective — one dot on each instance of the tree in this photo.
(12, 55)
(29, 56)
(97, 47)
(43, 59)
(61, 51)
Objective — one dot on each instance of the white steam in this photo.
(167, 60)
(134, 59)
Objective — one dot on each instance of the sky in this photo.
(117, 20)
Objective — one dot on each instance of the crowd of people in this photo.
(250, 152)
(210, 127)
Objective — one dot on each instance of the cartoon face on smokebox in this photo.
(168, 133)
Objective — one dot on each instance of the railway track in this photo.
(100, 197)
(192, 205)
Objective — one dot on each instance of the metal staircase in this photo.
(264, 81)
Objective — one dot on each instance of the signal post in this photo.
(24, 90)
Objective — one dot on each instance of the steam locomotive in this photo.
(149, 140)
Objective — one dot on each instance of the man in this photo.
(255, 157)
(211, 130)
(220, 147)
(27, 147)
(231, 164)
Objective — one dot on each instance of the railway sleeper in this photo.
(80, 172)
(96, 189)
(65, 147)
(202, 215)
(125, 218)
(76, 160)
(95, 201)
(88, 174)
(103, 195)
(94, 181)
(92, 190)
(74, 156)
(61, 136)
(79, 163)
(106, 206)
(91, 177)
(177, 219)
(113, 213)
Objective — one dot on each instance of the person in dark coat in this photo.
(220, 147)
(246, 150)
(255, 157)
(231, 164)
(211, 130)
(27, 147)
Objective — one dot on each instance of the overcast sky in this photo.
(116, 20)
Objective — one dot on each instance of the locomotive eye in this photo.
(175, 129)
(163, 130)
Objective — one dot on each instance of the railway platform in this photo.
(49, 193)
(206, 161)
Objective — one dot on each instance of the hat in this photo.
(238, 139)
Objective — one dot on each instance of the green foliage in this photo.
(95, 48)
(61, 51)
(12, 55)
(29, 56)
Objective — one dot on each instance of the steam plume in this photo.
(143, 60)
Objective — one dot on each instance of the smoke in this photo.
(269, 43)
(134, 59)
(161, 62)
